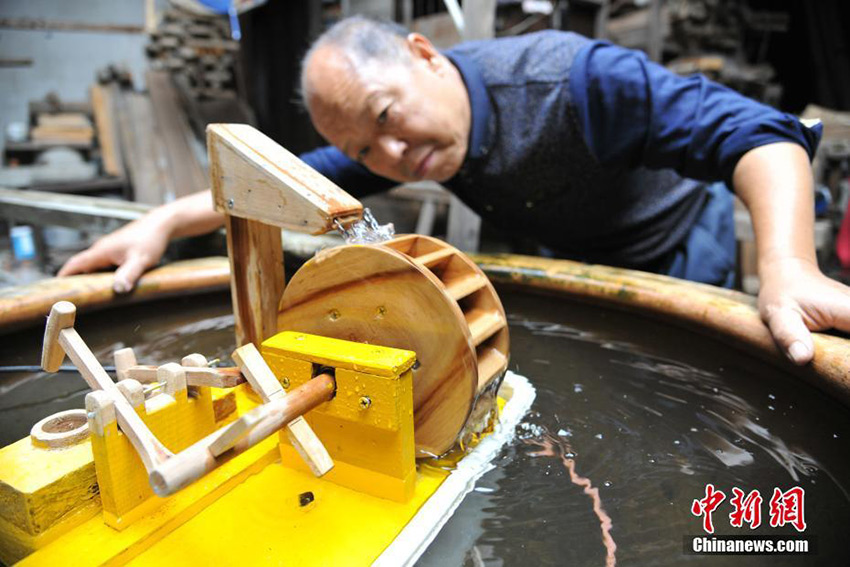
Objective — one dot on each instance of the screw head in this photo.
(230, 203)
(305, 498)
(365, 402)
(285, 382)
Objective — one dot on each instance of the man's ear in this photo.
(422, 49)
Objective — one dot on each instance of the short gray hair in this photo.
(363, 40)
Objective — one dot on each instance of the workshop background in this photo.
(104, 103)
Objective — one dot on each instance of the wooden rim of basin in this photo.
(30, 304)
(415, 293)
(729, 316)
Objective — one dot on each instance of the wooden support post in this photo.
(257, 278)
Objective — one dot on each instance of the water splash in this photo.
(366, 231)
(551, 446)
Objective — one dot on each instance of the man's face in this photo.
(407, 121)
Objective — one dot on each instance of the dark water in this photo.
(646, 414)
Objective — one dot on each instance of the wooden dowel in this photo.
(222, 377)
(264, 382)
(194, 462)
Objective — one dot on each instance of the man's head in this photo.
(387, 99)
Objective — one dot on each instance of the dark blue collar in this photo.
(479, 134)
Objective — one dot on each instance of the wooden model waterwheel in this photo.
(417, 293)
(413, 292)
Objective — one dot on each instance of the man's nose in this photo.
(392, 147)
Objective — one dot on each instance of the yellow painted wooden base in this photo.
(266, 524)
(45, 493)
(95, 543)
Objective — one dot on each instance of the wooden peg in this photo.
(62, 316)
(301, 435)
(101, 411)
(125, 359)
(132, 391)
(195, 360)
(174, 377)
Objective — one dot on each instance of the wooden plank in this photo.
(62, 135)
(461, 287)
(186, 172)
(64, 120)
(491, 363)
(99, 184)
(227, 377)
(257, 277)
(39, 146)
(483, 324)
(147, 163)
(104, 108)
(255, 178)
(43, 208)
(435, 257)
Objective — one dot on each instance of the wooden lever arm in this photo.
(219, 447)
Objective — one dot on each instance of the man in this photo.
(595, 151)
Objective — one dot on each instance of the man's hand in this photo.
(133, 248)
(775, 182)
(796, 298)
(141, 244)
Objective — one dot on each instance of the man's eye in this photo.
(382, 117)
(361, 155)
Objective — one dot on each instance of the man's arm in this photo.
(140, 245)
(635, 112)
(775, 182)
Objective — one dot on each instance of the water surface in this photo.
(645, 415)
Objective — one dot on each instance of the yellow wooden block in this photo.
(43, 493)
(95, 543)
(176, 421)
(368, 426)
(361, 357)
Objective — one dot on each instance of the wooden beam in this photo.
(255, 178)
(43, 208)
(260, 187)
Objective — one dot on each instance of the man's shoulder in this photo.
(540, 56)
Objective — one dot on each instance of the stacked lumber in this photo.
(198, 51)
(64, 127)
